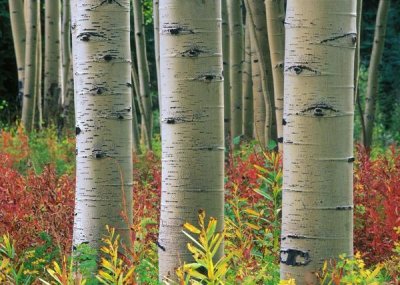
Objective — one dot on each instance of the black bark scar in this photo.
(352, 35)
(292, 255)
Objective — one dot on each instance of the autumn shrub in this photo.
(33, 204)
(377, 204)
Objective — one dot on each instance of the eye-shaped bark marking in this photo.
(303, 70)
(175, 29)
(98, 153)
(86, 36)
(294, 257)
(344, 40)
(105, 2)
(192, 52)
(99, 90)
(209, 77)
(320, 110)
(108, 57)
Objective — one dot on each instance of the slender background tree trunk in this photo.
(275, 11)
(19, 37)
(373, 71)
(30, 65)
(52, 61)
(248, 119)
(143, 72)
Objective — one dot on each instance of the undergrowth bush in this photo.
(37, 199)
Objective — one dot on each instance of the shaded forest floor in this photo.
(37, 184)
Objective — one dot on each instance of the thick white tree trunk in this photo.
(192, 123)
(317, 210)
(102, 76)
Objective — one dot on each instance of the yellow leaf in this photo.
(252, 212)
(191, 228)
(255, 227)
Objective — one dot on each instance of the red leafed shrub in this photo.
(377, 204)
(35, 203)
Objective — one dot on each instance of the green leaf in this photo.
(236, 140)
(271, 145)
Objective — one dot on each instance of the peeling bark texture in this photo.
(248, 115)
(102, 59)
(257, 15)
(143, 72)
(19, 38)
(262, 126)
(52, 61)
(373, 70)
(192, 123)
(235, 65)
(317, 202)
(275, 11)
(30, 65)
(227, 87)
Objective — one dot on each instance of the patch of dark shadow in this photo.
(86, 36)
(175, 29)
(78, 130)
(348, 36)
(284, 122)
(302, 69)
(192, 52)
(280, 140)
(320, 110)
(279, 66)
(128, 84)
(294, 257)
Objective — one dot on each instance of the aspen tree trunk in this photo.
(257, 15)
(135, 123)
(235, 65)
(67, 70)
(102, 59)
(373, 76)
(192, 123)
(357, 100)
(52, 61)
(39, 69)
(317, 209)
(262, 126)
(227, 86)
(143, 72)
(156, 24)
(248, 115)
(30, 65)
(19, 38)
(275, 11)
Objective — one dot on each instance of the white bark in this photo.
(102, 58)
(143, 72)
(317, 210)
(19, 38)
(30, 65)
(248, 114)
(52, 61)
(192, 123)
